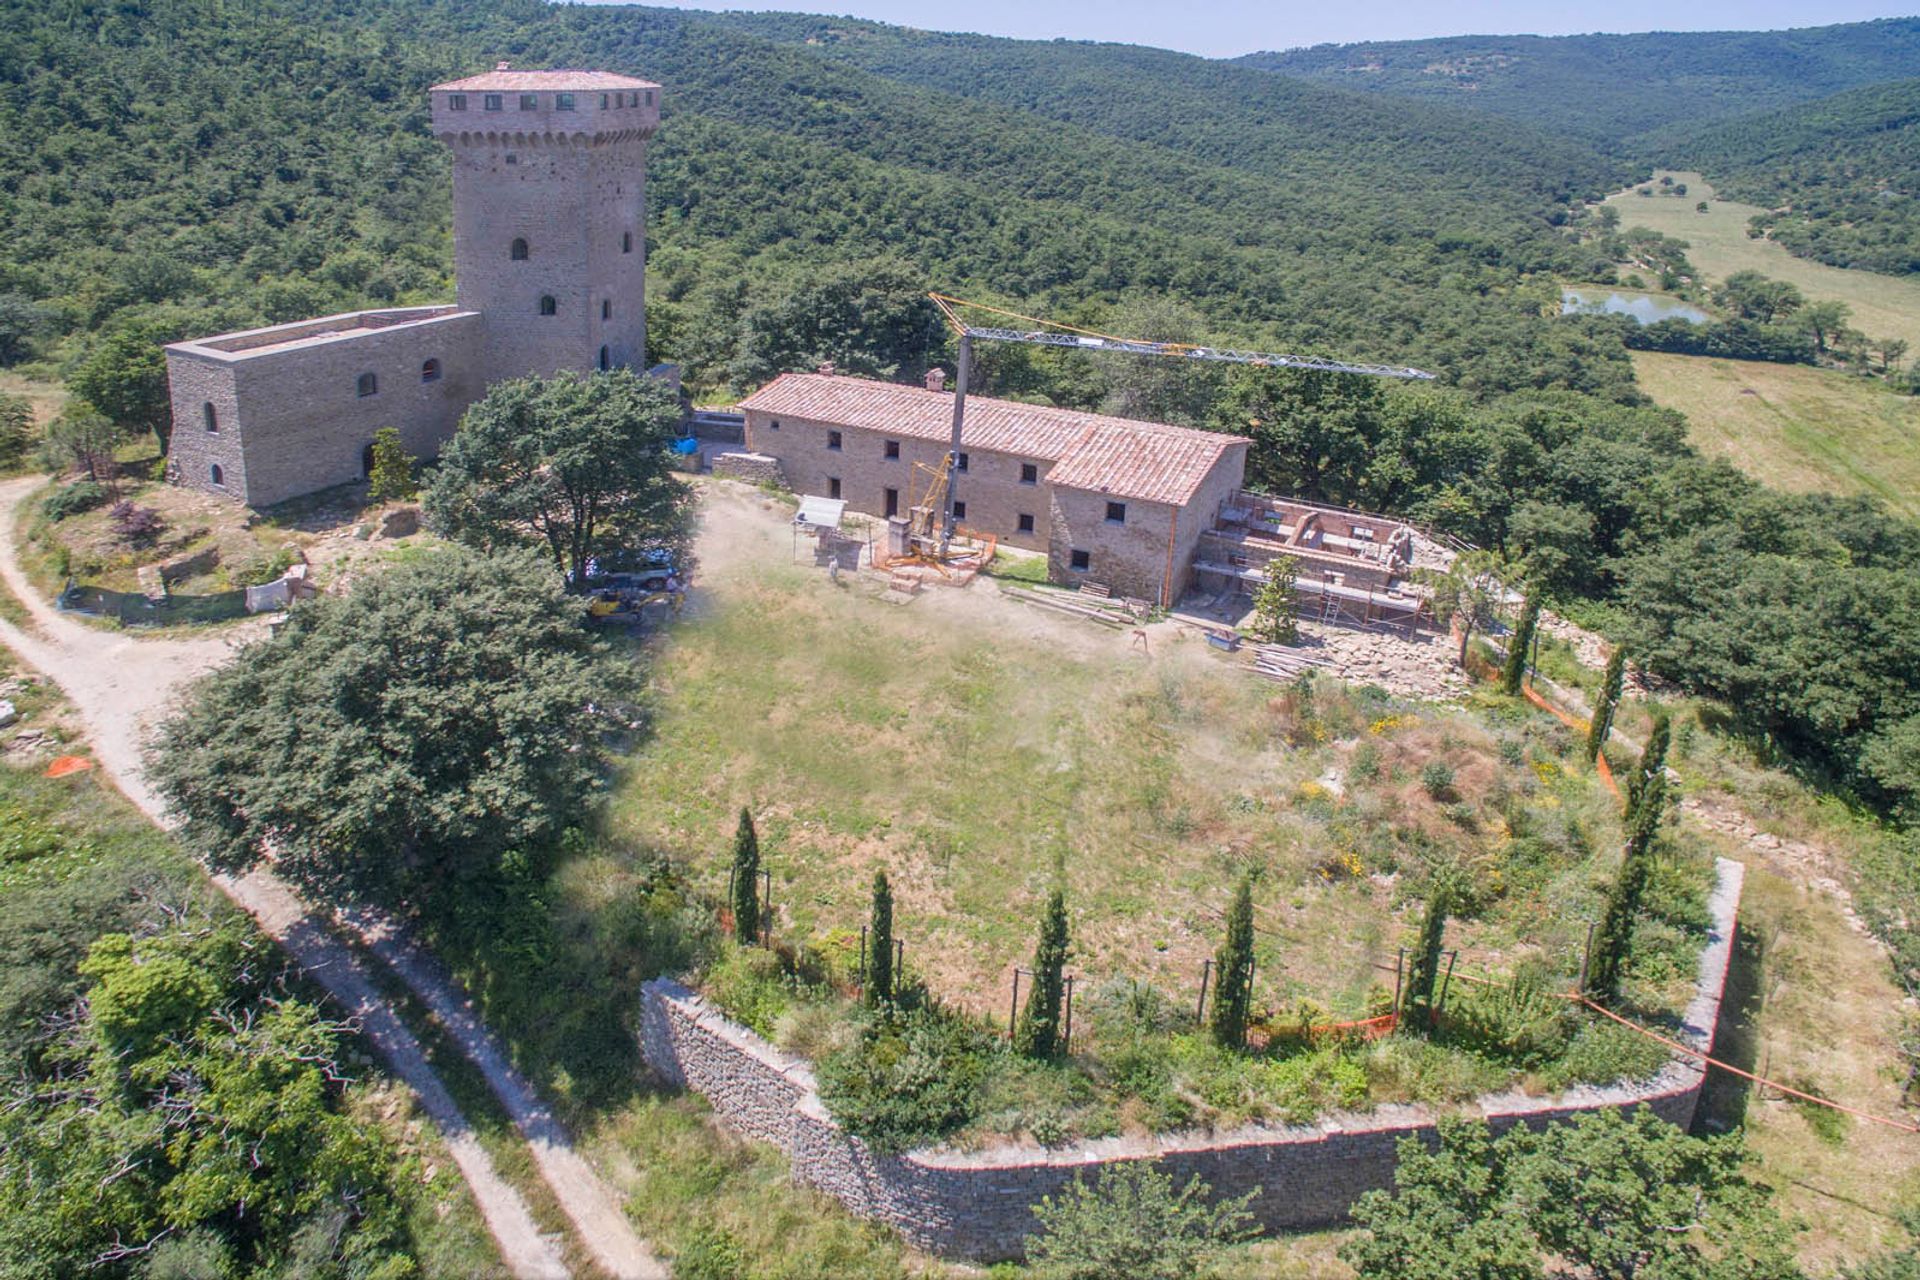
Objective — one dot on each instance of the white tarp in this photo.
(819, 513)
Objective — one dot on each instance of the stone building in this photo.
(1110, 500)
(549, 222)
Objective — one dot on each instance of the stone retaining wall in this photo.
(754, 468)
(978, 1204)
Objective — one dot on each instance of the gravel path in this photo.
(120, 687)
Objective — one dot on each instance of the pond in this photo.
(1647, 308)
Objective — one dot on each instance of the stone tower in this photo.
(549, 214)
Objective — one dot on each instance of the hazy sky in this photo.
(1219, 29)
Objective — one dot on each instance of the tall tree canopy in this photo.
(577, 463)
(400, 736)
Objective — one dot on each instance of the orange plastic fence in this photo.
(1573, 722)
(65, 765)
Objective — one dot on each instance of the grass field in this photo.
(1883, 306)
(1795, 427)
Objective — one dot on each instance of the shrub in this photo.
(74, 499)
(1436, 779)
(392, 474)
(750, 985)
(1131, 1224)
(258, 570)
(909, 1078)
(711, 1254)
(136, 526)
(1365, 765)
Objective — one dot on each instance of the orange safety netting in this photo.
(1573, 722)
(65, 765)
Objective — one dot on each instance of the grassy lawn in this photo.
(1883, 306)
(1795, 427)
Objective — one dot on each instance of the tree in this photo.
(1276, 605)
(1423, 980)
(1315, 435)
(1131, 1224)
(1233, 972)
(1701, 207)
(870, 317)
(1515, 670)
(1892, 352)
(1466, 594)
(16, 429)
(84, 439)
(391, 479)
(400, 739)
(1756, 297)
(579, 464)
(1610, 685)
(1824, 320)
(1646, 805)
(125, 377)
(21, 321)
(1612, 1193)
(746, 881)
(1038, 1035)
(880, 978)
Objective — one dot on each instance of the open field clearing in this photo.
(1883, 306)
(1795, 427)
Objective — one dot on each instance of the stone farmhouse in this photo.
(549, 231)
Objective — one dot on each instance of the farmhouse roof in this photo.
(505, 79)
(1148, 461)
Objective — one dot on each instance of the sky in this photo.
(1223, 29)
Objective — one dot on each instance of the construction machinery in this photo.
(1047, 333)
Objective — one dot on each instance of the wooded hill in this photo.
(1608, 89)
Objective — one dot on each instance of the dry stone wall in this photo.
(978, 1204)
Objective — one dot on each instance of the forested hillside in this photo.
(170, 168)
(1840, 176)
(1608, 88)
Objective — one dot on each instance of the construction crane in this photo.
(1050, 333)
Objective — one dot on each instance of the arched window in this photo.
(606, 360)
(215, 474)
(211, 418)
(626, 242)
(430, 371)
(367, 385)
(606, 308)
(519, 250)
(548, 306)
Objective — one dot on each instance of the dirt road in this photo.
(121, 686)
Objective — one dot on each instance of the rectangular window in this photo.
(649, 97)
(512, 158)
(603, 102)
(529, 102)
(960, 463)
(774, 425)
(1029, 473)
(1026, 523)
(959, 511)
(1116, 513)
(833, 440)
(1081, 561)
(606, 308)
(893, 502)
(491, 102)
(563, 102)
(456, 102)
(833, 486)
(893, 449)
(626, 242)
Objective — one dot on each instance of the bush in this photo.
(1436, 779)
(73, 499)
(910, 1078)
(750, 985)
(258, 570)
(136, 526)
(1132, 1225)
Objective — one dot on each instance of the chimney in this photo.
(936, 379)
(826, 367)
(503, 66)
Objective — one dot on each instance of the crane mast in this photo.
(1052, 334)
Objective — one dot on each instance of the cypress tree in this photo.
(1646, 805)
(1233, 972)
(746, 881)
(879, 977)
(1038, 1035)
(1421, 983)
(1516, 669)
(1610, 685)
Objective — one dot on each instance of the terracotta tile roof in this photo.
(511, 80)
(1149, 461)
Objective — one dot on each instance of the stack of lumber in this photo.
(1094, 610)
(1282, 663)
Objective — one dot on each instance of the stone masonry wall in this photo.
(754, 468)
(978, 1204)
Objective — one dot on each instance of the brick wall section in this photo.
(292, 421)
(978, 1204)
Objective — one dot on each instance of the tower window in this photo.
(366, 385)
(211, 418)
(1026, 523)
(606, 360)
(219, 477)
(626, 242)
(563, 102)
(548, 306)
(518, 251)
(430, 371)
(1116, 513)
(490, 102)
(606, 308)
(456, 102)
(529, 102)
(649, 97)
